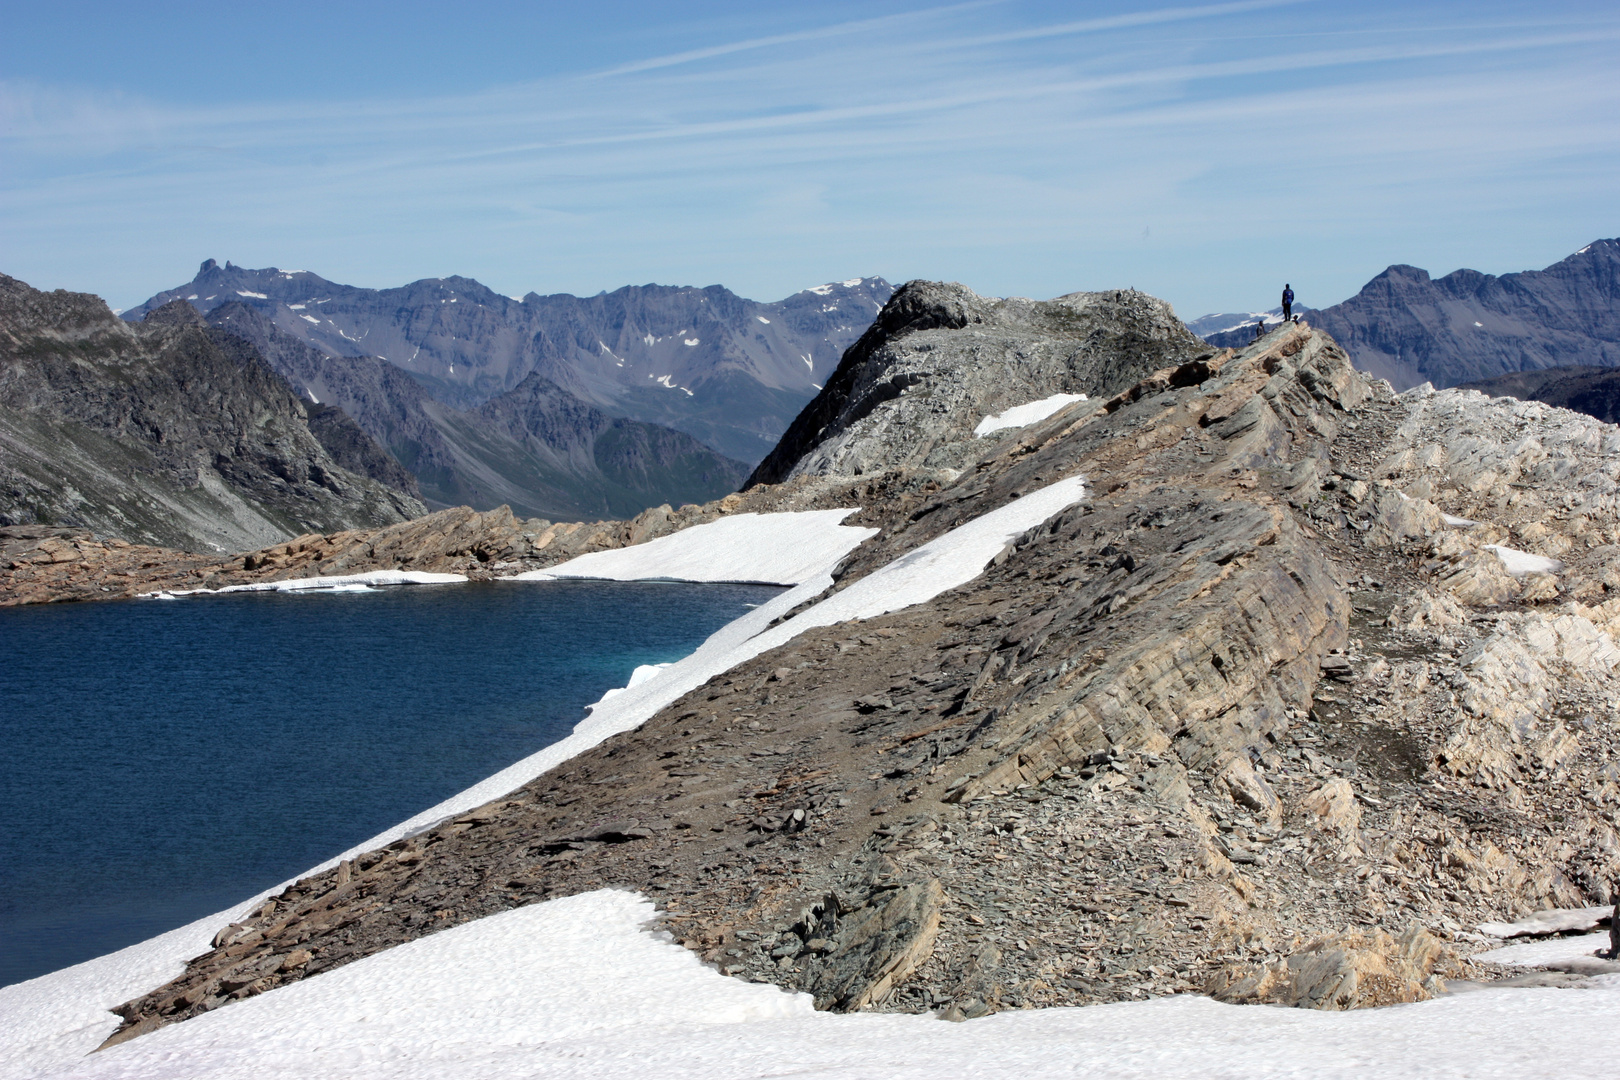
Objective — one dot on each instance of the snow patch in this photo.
(1552, 921)
(641, 674)
(1519, 563)
(763, 319)
(772, 549)
(1545, 950)
(691, 341)
(245, 292)
(851, 283)
(310, 319)
(333, 583)
(820, 290)
(296, 307)
(193, 296)
(1024, 415)
(1479, 324)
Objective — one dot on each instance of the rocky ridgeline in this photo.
(726, 370)
(1262, 717)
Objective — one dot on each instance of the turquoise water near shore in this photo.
(162, 760)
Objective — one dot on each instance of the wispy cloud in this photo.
(1032, 157)
(797, 37)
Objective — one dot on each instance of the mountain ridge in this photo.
(485, 456)
(727, 370)
(1467, 326)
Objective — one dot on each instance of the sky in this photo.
(1201, 152)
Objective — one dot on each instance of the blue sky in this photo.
(1201, 152)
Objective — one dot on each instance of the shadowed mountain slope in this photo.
(536, 448)
(162, 433)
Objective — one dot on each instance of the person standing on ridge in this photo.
(1288, 302)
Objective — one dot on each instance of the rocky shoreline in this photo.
(1257, 718)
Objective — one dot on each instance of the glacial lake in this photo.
(160, 761)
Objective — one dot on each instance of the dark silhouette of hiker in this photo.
(1260, 329)
(1288, 303)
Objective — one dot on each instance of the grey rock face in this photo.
(157, 434)
(536, 448)
(729, 371)
(940, 358)
(1593, 391)
(1409, 328)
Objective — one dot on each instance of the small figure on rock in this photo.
(1288, 302)
(1260, 328)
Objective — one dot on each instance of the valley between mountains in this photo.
(1292, 684)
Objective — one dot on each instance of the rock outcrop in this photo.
(940, 358)
(160, 435)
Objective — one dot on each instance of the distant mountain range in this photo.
(536, 448)
(1235, 329)
(1409, 328)
(170, 433)
(729, 371)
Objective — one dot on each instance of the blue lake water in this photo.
(160, 761)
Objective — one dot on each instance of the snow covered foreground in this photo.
(50, 1023)
(577, 988)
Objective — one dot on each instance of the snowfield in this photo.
(579, 986)
(1518, 563)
